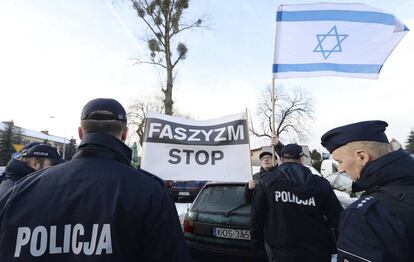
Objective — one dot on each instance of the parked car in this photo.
(217, 226)
(184, 190)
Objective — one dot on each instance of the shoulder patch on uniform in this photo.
(363, 204)
(154, 177)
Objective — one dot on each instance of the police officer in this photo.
(95, 207)
(34, 156)
(298, 211)
(379, 226)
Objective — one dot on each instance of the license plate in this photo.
(183, 193)
(231, 233)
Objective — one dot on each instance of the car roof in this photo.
(214, 183)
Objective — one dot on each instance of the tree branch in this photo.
(178, 59)
(138, 62)
(146, 22)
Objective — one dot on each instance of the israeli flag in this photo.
(327, 39)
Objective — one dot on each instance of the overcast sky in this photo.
(55, 55)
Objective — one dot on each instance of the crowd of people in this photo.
(97, 207)
(297, 217)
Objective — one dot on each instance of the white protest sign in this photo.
(182, 149)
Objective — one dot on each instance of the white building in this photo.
(29, 136)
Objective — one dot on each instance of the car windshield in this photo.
(221, 199)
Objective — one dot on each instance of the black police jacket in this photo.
(380, 225)
(298, 210)
(15, 170)
(92, 208)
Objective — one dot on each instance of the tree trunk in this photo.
(168, 101)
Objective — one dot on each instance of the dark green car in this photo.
(217, 226)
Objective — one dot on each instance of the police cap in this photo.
(44, 151)
(114, 110)
(30, 145)
(292, 151)
(24, 149)
(361, 131)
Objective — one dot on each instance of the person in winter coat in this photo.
(379, 226)
(266, 166)
(32, 158)
(95, 207)
(298, 211)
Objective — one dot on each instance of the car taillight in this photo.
(188, 225)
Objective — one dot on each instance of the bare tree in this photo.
(163, 18)
(137, 112)
(293, 111)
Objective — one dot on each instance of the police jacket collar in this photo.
(17, 169)
(101, 142)
(395, 168)
(296, 172)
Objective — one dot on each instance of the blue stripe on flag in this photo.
(336, 15)
(345, 68)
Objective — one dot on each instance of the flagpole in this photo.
(273, 95)
(250, 150)
(273, 119)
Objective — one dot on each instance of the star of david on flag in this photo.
(327, 39)
(325, 47)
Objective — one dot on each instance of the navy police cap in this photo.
(361, 131)
(292, 151)
(30, 145)
(114, 108)
(24, 149)
(44, 151)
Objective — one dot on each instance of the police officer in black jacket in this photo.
(299, 211)
(34, 156)
(95, 207)
(380, 225)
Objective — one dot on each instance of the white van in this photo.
(329, 166)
